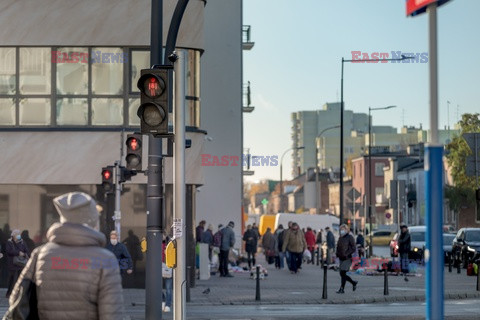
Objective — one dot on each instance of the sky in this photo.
(295, 65)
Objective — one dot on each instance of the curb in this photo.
(382, 299)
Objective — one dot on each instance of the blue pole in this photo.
(434, 218)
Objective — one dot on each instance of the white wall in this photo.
(220, 199)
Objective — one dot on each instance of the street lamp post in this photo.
(317, 169)
(341, 121)
(370, 171)
(281, 175)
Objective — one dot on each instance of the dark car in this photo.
(417, 238)
(465, 245)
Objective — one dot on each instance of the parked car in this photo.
(417, 238)
(447, 245)
(381, 238)
(465, 245)
(394, 246)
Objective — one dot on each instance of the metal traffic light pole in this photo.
(153, 272)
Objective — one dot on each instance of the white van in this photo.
(314, 221)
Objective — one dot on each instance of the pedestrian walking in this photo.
(207, 237)
(250, 238)
(404, 246)
(199, 231)
(228, 240)
(279, 254)
(310, 240)
(319, 240)
(360, 242)
(28, 241)
(121, 253)
(132, 242)
(76, 278)
(295, 245)
(287, 254)
(345, 249)
(167, 275)
(268, 244)
(17, 256)
(330, 245)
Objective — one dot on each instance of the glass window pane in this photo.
(72, 70)
(35, 70)
(35, 111)
(133, 119)
(7, 112)
(107, 112)
(7, 70)
(72, 111)
(140, 60)
(107, 70)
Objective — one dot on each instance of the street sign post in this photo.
(433, 170)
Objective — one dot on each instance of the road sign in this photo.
(416, 7)
(358, 206)
(388, 215)
(264, 202)
(353, 194)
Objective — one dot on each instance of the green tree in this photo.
(462, 194)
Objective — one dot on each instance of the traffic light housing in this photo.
(107, 178)
(156, 96)
(133, 158)
(126, 174)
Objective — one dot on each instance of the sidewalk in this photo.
(281, 287)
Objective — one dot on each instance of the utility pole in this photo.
(118, 192)
(153, 273)
(179, 275)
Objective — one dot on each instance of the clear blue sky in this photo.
(296, 62)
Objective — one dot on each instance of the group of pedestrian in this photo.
(222, 241)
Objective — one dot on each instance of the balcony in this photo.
(247, 43)
(247, 99)
(246, 160)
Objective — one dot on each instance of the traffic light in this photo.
(156, 96)
(134, 152)
(107, 178)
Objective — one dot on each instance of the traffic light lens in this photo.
(153, 116)
(133, 144)
(132, 160)
(153, 87)
(107, 174)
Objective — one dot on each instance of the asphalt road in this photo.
(454, 309)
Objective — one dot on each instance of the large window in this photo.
(81, 86)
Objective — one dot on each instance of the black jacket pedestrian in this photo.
(251, 239)
(13, 249)
(345, 247)
(404, 242)
(123, 256)
(361, 241)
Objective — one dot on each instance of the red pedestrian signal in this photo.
(107, 178)
(133, 157)
(156, 96)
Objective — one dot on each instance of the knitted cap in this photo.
(77, 207)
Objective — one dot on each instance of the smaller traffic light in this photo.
(134, 152)
(107, 178)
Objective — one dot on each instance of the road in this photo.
(454, 309)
